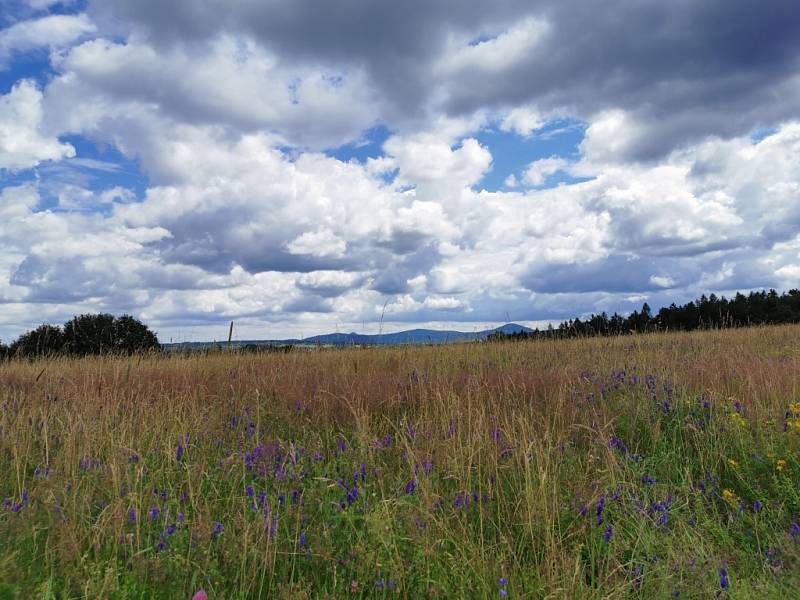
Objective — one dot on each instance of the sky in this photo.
(301, 167)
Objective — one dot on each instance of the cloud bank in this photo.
(184, 162)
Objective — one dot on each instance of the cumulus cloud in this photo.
(52, 31)
(682, 71)
(523, 120)
(234, 111)
(23, 144)
(538, 171)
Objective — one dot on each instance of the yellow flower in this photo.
(780, 465)
(794, 408)
(794, 425)
(733, 463)
(729, 496)
(738, 419)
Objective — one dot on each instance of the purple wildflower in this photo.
(608, 533)
(794, 531)
(411, 487)
(132, 514)
(647, 479)
(723, 578)
(218, 529)
(601, 505)
(154, 512)
(179, 453)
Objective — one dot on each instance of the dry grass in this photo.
(515, 438)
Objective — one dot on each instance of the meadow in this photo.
(640, 466)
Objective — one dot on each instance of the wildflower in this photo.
(179, 453)
(608, 533)
(303, 540)
(181, 517)
(794, 531)
(250, 491)
(732, 463)
(218, 529)
(723, 578)
(780, 465)
(132, 514)
(601, 504)
(738, 419)
(201, 595)
(154, 512)
(648, 480)
(503, 585)
(411, 487)
(757, 506)
(461, 501)
(728, 495)
(171, 529)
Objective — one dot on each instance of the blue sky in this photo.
(298, 167)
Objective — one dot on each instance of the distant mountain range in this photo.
(411, 336)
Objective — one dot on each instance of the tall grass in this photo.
(639, 466)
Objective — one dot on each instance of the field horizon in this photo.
(647, 465)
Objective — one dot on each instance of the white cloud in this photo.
(523, 120)
(229, 82)
(496, 54)
(243, 219)
(538, 171)
(22, 142)
(320, 243)
(52, 31)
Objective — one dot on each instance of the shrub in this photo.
(103, 333)
(45, 340)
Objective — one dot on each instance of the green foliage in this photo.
(757, 308)
(85, 335)
(45, 340)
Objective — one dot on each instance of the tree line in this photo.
(756, 308)
(84, 335)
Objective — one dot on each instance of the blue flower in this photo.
(179, 453)
(608, 533)
(411, 487)
(218, 529)
(723, 578)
